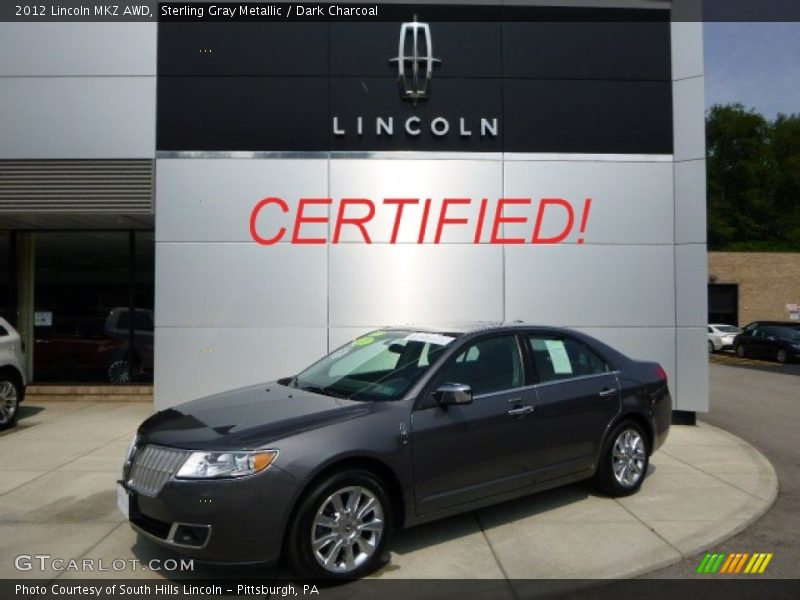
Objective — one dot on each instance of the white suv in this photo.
(12, 380)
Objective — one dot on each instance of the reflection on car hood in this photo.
(246, 418)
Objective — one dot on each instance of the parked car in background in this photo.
(776, 340)
(721, 336)
(95, 349)
(12, 378)
(398, 427)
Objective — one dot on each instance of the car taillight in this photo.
(661, 373)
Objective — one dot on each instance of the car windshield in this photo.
(381, 365)
(728, 329)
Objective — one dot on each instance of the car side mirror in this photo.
(453, 393)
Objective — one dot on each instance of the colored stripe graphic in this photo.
(703, 563)
(737, 562)
(727, 564)
(741, 562)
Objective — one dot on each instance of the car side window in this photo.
(487, 366)
(756, 332)
(563, 358)
(710, 330)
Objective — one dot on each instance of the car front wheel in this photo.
(782, 356)
(624, 460)
(10, 394)
(710, 347)
(740, 351)
(342, 527)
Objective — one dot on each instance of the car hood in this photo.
(247, 418)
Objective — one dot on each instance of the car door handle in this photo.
(521, 411)
(607, 393)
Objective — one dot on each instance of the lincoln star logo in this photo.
(415, 68)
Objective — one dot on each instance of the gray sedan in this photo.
(396, 428)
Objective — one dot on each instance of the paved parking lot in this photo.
(729, 359)
(57, 496)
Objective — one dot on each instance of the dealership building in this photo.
(179, 187)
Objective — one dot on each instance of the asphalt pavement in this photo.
(759, 402)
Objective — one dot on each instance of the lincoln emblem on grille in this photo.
(415, 69)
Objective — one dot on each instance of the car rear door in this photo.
(576, 397)
(466, 452)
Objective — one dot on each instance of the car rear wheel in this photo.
(623, 461)
(118, 372)
(10, 393)
(341, 528)
(740, 351)
(782, 356)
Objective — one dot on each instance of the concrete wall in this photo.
(768, 281)
(77, 90)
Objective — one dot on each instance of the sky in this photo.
(754, 64)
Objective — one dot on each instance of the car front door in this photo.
(470, 451)
(576, 397)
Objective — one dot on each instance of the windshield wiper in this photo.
(321, 390)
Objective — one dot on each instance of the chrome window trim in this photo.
(548, 383)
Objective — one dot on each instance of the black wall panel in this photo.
(563, 85)
(242, 113)
(606, 117)
(594, 50)
(243, 48)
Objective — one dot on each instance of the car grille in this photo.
(153, 466)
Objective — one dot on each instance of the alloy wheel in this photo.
(628, 458)
(9, 402)
(782, 356)
(118, 372)
(347, 529)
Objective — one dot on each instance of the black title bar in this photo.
(381, 11)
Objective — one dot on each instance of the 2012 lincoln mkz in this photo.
(398, 427)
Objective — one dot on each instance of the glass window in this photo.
(85, 285)
(380, 365)
(490, 365)
(563, 358)
(6, 289)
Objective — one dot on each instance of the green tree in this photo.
(753, 171)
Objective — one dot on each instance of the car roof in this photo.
(469, 327)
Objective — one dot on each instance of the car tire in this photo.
(711, 348)
(341, 528)
(741, 352)
(118, 371)
(623, 460)
(782, 356)
(10, 395)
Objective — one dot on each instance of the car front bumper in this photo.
(223, 521)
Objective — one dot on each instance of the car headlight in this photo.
(212, 465)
